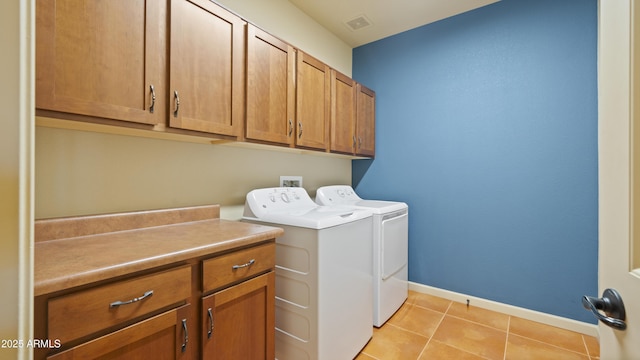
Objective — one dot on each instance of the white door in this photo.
(619, 265)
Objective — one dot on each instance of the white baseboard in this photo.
(553, 320)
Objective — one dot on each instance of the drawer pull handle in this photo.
(118, 303)
(236, 267)
(210, 314)
(186, 335)
(153, 98)
(177, 101)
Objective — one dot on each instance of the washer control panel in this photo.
(279, 198)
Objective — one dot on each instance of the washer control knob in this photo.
(341, 192)
(272, 198)
(285, 197)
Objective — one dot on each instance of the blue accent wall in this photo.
(486, 125)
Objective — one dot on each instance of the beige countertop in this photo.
(71, 252)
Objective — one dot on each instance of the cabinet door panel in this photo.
(99, 58)
(343, 113)
(270, 88)
(366, 116)
(313, 84)
(160, 337)
(240, 321)
(206, 68)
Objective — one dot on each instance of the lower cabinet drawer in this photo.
(226, 269)
(85, 312)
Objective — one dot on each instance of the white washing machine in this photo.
(324, 278)
(390, 247)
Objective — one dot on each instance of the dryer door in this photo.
(395, 242)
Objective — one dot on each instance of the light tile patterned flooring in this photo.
(429, 327)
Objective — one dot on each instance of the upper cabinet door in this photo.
(343, 113)
(366, 122)
(206, 68)
(270, 88)
(100, 58)
(313, 86)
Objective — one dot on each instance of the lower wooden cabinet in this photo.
(240, 321)
(164, 336)
(217, 306)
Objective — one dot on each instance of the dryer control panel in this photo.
(336, 195)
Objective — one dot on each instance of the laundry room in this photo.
(486, 128)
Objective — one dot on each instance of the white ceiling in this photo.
(387, 17)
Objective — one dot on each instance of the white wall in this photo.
(16, 300)
(86, 172)
(82, 172)
(284, 20)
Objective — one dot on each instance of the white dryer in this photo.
(390, 247)
(324, 279)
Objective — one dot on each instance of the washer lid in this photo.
(294, 207)
(345, 195)
(380, 206)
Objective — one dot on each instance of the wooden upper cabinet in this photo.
(313, 90)
(101, 58)
(192, 65)
(206, 68)
(352, 116)
(270, 88)
(365, 123)
(343, 113)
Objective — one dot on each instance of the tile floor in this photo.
(429, 327)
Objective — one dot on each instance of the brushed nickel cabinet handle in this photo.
(153, 98)
(210, 315)
(354, 141)
(290, 127)
(251, 262)
(177, 100)
(119, 303)
(186, 335)
(300, 132)
(359, 142)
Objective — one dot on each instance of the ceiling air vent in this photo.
(359, 22)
